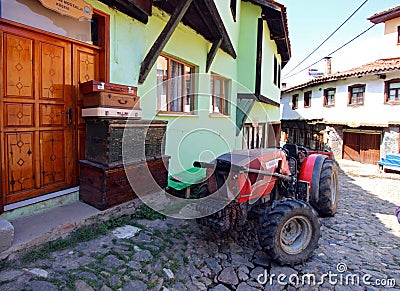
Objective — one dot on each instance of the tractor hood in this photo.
(265, 159)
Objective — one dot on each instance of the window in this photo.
(277, 72)
(253, 136)
(329, 97)
(307, 99)
(392, 91)
(175, 85)
(356, 94)
(219, 94)
(295, 101)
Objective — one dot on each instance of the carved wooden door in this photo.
(37, 123)
(86, 64)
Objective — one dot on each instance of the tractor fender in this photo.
(310, 171)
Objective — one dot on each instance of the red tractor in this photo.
(287, 188)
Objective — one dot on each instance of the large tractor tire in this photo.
(289, 233)
(326, 199)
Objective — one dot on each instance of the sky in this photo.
(312, 21)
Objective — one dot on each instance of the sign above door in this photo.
(73, 8)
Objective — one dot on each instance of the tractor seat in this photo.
(292, 150)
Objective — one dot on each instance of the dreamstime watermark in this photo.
(339, 277)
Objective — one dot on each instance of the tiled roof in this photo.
(385, 15)
(376, 67)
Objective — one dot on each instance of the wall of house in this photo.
(247, 48)
(374, 111)
(390, 39)
(268, 88)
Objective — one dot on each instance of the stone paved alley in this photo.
(361, 243)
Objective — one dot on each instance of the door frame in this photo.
(103, 47)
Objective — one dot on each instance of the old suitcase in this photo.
(103, 186)
(106, 99)
(144, 139)
(111, 112)
(94, 86)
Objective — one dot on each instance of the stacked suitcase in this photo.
(112, 112)
(102, 99)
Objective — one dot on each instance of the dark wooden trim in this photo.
(265, 99)
(264, 3)
(259, 98)
(104, 56)
(163, 38)
(129, 8)
(213, 30)
(211, 54)
(221, 27)
(234, 9)
(144, 5)
(260, 32)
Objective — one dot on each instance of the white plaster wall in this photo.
(374, 111)
(389, 40)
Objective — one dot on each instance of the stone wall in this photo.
(390, 141)
(334, 140)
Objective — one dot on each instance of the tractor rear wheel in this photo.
(290, 232)
(326, 202)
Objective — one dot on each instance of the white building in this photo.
(354, 113)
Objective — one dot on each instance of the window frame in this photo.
(233, 6)
(398, 34)
(277, 72)
(224, 100)
(326, 103)
(168, 79)
(349, 91)
(295, 101)
(308, 95)
(387, 89)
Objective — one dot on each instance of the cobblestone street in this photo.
(359, 249)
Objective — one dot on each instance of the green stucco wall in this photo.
(247, 49)
(268, 88)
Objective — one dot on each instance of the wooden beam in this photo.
(163, 38)
(228, 47)
(213, 29)
(143, 5)
(260, 34)
(211, 54)
(267, 100)
(128, 8)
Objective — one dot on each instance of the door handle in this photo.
(69, 113)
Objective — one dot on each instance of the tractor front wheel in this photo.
(290, 232)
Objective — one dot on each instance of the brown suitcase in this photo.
(94, 86)
(106, 99)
